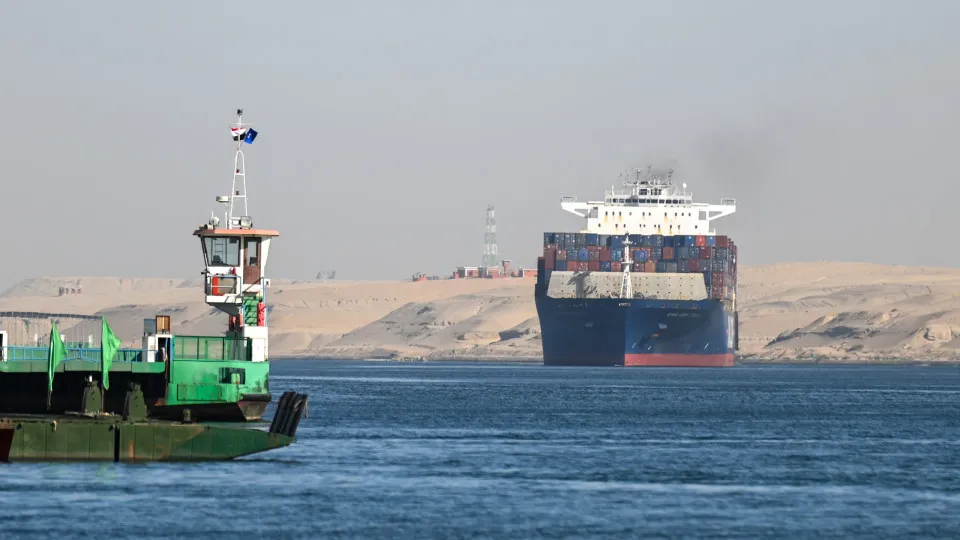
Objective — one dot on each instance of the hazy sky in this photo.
(387, 127)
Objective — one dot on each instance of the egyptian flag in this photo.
(246, 135)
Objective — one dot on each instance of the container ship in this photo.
(646, 282)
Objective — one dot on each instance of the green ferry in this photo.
(70, 392)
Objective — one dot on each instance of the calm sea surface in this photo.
(485, 451)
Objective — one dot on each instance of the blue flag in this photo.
(251, 135)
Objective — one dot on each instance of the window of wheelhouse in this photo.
(221, 250)
(252, 252)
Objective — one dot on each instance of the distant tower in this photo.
(491, 253)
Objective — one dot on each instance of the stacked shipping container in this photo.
(713, 256)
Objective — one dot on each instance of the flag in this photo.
(109, 344)
(244, 134)
(239, 134)
(56, 355)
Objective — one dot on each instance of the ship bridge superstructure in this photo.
(649, 203)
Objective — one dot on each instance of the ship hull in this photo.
(635, 333)
(47, 438)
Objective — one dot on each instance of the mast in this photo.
(242, 133)
(626, 284)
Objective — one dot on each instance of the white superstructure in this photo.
(650, 204)
(235, 259)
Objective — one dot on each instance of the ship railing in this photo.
(568, 199)
(222, 284)
(15, 353)
(728, 202)
(211, 348)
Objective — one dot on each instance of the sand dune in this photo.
(799, 311)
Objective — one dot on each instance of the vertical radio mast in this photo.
(242, 133)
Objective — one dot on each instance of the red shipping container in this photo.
(594, 256)
(593, 266)
(700, 241)
(605, 254)
(716, 291)
(549, 263)
(722, 241)
(668, 253)
(706, 252)
(615, 266)
(650, 266)
(717, 278)
(693, 265)
(593, 248)
(582, 266)
(561, 254)
(637, 267)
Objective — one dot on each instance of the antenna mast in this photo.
(242, 133)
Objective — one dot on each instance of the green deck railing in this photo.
(22, 353)
(184, 348)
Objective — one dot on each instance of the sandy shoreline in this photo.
(797, 313)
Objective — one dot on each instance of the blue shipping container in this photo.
(668, 241)
(562, 266)
(641, 255)
(604, 266)
(616, 254)
(616, 242)
(583, 254)
(711, 241)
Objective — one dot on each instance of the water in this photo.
(481, 451)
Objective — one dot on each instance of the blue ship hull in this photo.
(615, 332)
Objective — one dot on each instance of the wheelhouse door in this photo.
(251, 263)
